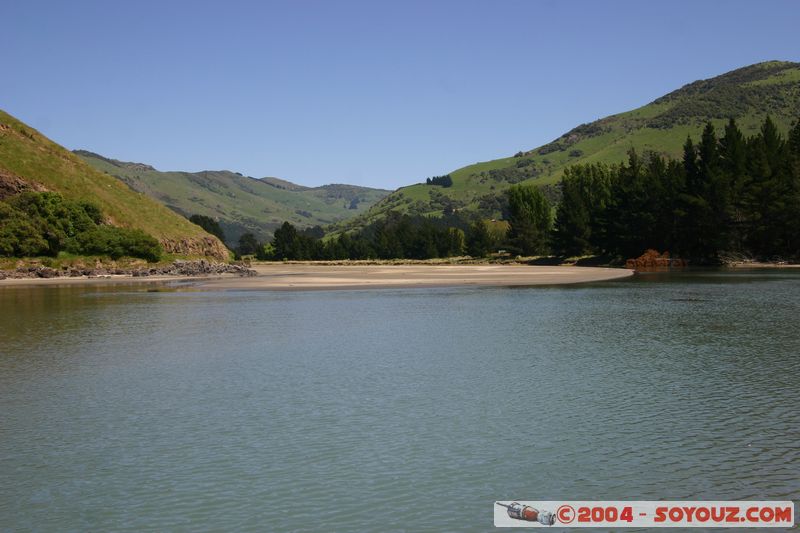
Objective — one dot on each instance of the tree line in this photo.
(441, 181)
(398, 236)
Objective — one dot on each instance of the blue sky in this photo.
(374, 93)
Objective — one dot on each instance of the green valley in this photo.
(241, 204)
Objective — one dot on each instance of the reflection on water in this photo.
(388, 409)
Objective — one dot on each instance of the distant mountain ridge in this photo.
(747, 94)
(240, 203)
(284, 184)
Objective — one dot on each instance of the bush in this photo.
(26, 234)
(20, 237)
(64, 217)
(44, 223)
(115, 243)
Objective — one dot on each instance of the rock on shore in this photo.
(177, 268)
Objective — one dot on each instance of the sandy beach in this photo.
(310, 277)
(281, 276)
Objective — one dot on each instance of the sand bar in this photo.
(279, 276)
(310, 277)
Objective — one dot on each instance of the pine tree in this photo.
(285, 242)
(530, 219)
(631, 213)
(767, 192)
(479, 240)
(694, 206)
(665, 182)
(793, 202)
(584, 194)
(248, 244)
(714, 190)
(733, 162)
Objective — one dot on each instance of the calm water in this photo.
(122, 409)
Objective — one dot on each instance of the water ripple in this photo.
(392, 410)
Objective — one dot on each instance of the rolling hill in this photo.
(241, 203)
(747, 94)
(29, 160)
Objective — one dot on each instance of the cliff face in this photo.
(210, 247)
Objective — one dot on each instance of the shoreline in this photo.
(367, 274)
(303, 277)
(107, 280)
(756, 264)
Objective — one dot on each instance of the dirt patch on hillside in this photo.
(11, 184)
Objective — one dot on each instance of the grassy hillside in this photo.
(27, 157)
(241, 203)
(748, 94)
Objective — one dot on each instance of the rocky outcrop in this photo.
(210, 247)
(177, 268)
(11, 184)
(652, 259)
(195, 268)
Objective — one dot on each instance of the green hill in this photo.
(747, 94)
(241, 203)
(28, 160)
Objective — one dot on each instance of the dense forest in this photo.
(728, 195)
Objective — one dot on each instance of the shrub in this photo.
(44, 223)
(20, 238)
(115, 243)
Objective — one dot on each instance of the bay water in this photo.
(143, 408)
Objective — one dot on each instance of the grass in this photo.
(786, 76)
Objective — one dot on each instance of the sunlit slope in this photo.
(748, 94)
(27, 154)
